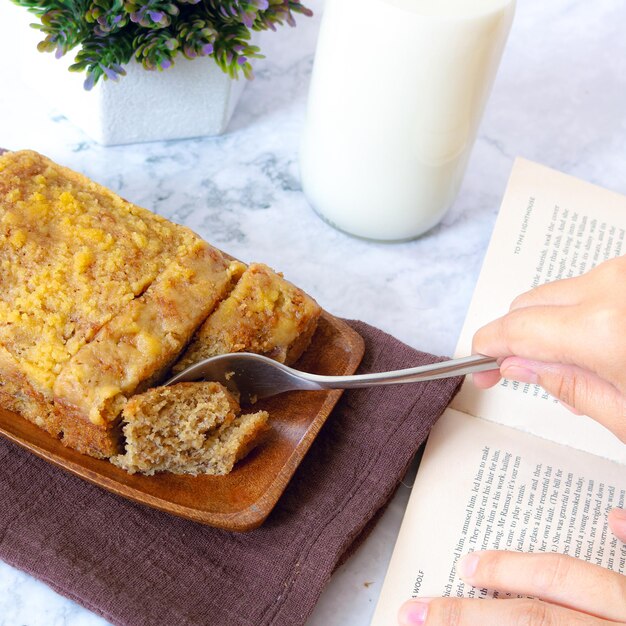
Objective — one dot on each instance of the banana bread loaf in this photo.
(100, 297)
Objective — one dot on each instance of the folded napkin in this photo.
(139, 567)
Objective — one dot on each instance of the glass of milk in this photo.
(396, 97)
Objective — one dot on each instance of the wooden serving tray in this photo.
(242, 499)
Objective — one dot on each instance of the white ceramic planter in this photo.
(191, 99)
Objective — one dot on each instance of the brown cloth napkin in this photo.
(139, 567)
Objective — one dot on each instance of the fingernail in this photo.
(617, 523)
(569, 407)
(619, 515)
(521, 374)
(414, 612)
(468, 565)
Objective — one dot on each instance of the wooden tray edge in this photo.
(241, 521)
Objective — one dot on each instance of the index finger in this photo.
(552, 334)
(567, 291)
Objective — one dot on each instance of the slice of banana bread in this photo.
(188, 428)
(264, 314)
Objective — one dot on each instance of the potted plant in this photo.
(181, 60)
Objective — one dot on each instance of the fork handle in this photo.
(433, 371)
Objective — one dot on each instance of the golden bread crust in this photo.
(79, 266)
(72, 255)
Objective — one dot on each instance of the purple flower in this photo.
(90, 81)
(110, 74)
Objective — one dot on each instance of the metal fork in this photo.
(254, 376)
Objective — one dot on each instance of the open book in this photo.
(509, 468)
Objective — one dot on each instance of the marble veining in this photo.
(560, 99)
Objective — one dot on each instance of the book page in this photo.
(550, 226)
(484, 486)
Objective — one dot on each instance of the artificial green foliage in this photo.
(155, 49)
(109, 33)
(107, 16)
(197, 37)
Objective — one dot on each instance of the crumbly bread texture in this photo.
(98, 298)
(264, 314)
(188, 428)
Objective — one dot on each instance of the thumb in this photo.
(578, 389)
(617, 523)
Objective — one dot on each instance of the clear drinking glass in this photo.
(396, 97)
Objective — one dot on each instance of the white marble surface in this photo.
(560, 99)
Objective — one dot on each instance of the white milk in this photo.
(396, 97)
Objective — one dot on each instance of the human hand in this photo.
(568, 336)
(566, 592)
